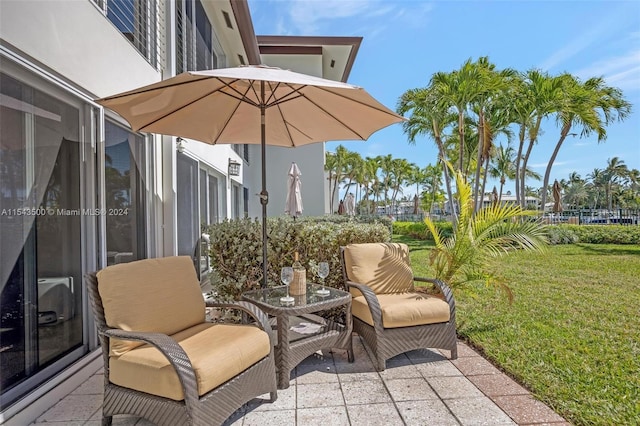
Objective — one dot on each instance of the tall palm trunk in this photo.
(502, 182)
(484, 179)
(533, 135)
(563, 135)
(461, 137)
(519, 194)
(445, 170)
(481, 148)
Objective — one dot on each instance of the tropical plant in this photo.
(462, 258)
(590, 106)
(615, 172)
(427, 117)
(534, 96)
(503, 166)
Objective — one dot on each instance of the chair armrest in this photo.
(372, 303)
(445, 290)
(173, 352)
(256, 313)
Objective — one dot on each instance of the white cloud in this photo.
(544, 165)
(622, 71)
(308, 15)
(593, 35)
(578, 144)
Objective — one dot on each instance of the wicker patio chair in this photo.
(387, 312)
(162, 360)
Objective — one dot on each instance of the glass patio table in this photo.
(300, 333)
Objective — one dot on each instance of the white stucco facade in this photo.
(56, 59)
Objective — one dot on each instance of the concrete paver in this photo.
(417, 388)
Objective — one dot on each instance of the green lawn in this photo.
(572, 334)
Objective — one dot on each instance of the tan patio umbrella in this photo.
(253, 105)
(293, 205)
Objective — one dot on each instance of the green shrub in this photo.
(561, 235)
(420, 231)
(236, 249)
(605, 234)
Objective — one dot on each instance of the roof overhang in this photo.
(336, 53)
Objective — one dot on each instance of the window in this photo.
(214, 209)
(195, 38)
(124, 194)
(235, 201)
(188, 206)
(137, 20)
(246, 202)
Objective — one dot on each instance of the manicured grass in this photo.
(572, 334)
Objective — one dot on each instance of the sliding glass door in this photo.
(41, 314)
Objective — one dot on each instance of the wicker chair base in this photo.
(394, 341)
(214, 407)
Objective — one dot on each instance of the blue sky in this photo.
(405, 42)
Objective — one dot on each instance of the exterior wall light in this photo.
(234, 168)
(181, 145)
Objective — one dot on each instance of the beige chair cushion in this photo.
(218, 352)
(403, 309)
(156, 295)
(384, 267)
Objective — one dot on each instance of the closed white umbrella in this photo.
(293, 205)
(350, 204)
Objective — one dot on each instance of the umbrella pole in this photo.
(264, 195)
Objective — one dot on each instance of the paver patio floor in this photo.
(421, 387)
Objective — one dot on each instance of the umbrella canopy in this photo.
(253, 105)
(293, 205)
(557, 197)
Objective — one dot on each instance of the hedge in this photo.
(236, 249)
(558, 234)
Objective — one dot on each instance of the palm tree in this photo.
(576, 193)
(458, 89)
(488, 103)
(330, 166)
(496, 122)
(370, 175)
(616, 171)
(353, 163)
(534, 99)
(427, 118)
(633, 179)
(503, 166)
(433, 183)
(596, 186)
(401, 171)
(417, 177)
(338, 162)
(386, 167)
(491, 232)
(590, 105)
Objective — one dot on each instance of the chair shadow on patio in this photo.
(326, 388)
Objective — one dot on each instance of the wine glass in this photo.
(323, 272)
(286, 276)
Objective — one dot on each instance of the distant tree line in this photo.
(464, 111)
